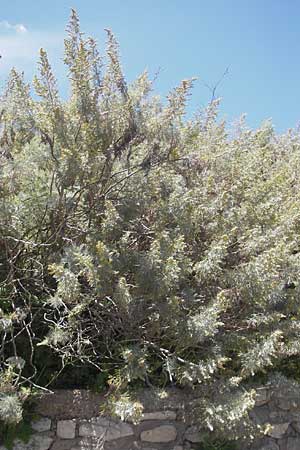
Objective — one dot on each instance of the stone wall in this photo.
(279, 406)
(71, 420)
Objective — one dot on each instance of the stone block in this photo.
(41, 442)
(40, 425)
(102, 427)
(163, 433)
(87, 428)
(66, 429)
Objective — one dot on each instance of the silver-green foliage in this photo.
(150, 246)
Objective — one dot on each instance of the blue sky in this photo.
(257, 39)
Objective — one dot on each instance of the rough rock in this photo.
(89, 443)
(102, 427)
(66, 429)
(287, 404)
(192, 434)
(281, 416)
(36, 442)
(278, 430)
(63, 401)
(261, 397)
(163, 433)
(40, 425)
(159, 415)
(293, 443)
(65, 444)
(41, 442)
(269, 445)
(260, 415)
(296, 425)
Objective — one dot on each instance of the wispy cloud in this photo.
(18, 27)
(26, 47)
(20, 49)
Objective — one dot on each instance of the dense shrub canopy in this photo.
(149, 247)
